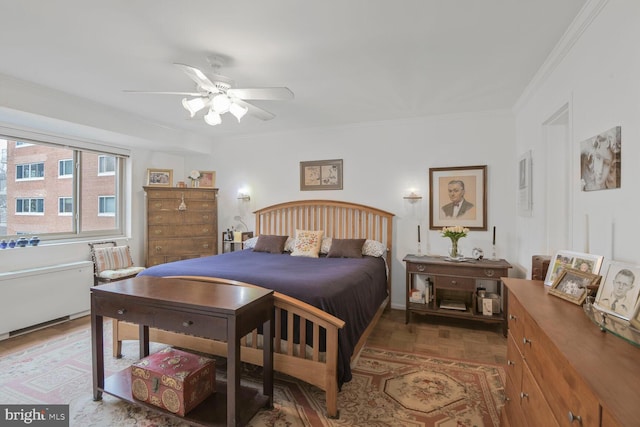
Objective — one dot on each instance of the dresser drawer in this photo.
(123, 311)
(191, 323)
(512, 406)
(198, 245)
(535, 408)
(515, 361)
(159, 231)
(413, 267)
(516, 319)
(455, 283)
(181, 217)
(161, 259)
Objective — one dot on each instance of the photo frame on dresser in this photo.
(207, 179)
(458, 196)
(569, 259)
(574, 285)
(160, 177)
(618, 294)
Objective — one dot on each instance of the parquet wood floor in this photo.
(481, 343)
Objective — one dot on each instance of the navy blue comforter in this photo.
(351, 289)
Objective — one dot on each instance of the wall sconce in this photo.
(244, 197)
(413, 197)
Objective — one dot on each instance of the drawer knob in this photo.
(121, 311)
(573, 417)
(526, 341)
(512, 317)
(453, 282)
(158, 248)
(511, 363)
(489, 273)
(420, 267)
(187, 323)
(523, 395)
(205, 246)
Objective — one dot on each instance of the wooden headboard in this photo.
(342, 220)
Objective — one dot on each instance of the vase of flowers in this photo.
(194, 176)
(454, 233)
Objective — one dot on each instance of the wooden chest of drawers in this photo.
(182, 223)
(561, 369)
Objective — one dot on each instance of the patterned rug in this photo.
(389, 388)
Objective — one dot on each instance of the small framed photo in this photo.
(458, 196)
(207, 179)
(618, 294)
(321, 175)
(160, 177)
(586, 263)
(574, 285)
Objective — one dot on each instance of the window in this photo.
(106, 165)
(65, 205)
(107, 205)
(88, 202)
(30, 171)
(65, 168)
(30, 206)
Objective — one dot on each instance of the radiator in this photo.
(35, 296)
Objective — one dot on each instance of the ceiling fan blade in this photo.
(166, 93)
(264, 93)
(198, 76)
(255, 111)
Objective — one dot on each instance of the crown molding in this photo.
(578, 26)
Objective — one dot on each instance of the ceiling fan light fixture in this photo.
(212, 118)
(238, 111)
(221, 103)
(194, 105)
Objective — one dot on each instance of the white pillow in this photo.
(251, 242)
(326, 245)
(373, 248)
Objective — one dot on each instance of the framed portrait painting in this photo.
(321, 175)
(160, 177)
(458, 196)
(619, 292)
(587, 263)
(574, 285)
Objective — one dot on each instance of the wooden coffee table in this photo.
(210, 310)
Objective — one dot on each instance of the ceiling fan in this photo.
(218, 95)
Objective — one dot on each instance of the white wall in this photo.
(598, 78)
(382, 161)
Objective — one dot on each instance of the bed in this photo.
(324, 316)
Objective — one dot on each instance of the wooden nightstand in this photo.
(229, 245)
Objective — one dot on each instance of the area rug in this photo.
(389, 388)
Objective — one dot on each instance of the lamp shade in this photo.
(194, 105)
(221, 103)
(238, 111)
(212, 118)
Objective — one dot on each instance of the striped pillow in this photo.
(114, 258)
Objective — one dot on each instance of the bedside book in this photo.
(453, 305)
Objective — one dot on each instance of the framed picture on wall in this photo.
(525, 199)
(568, 259)
(321, 175)
(458, 196)
(601, 160)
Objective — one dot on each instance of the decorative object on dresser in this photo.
(568, 259)
(207, 179)
(561, 369)
(160, 177)
(321, 175)
(539, 266)
(574, 285)
(182, 223)
(458, 196)
(455, 287)
(618, 295)
(454, 233)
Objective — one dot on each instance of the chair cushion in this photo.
(119, 274)
(112, 258)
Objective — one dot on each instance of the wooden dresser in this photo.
(562, 370)
(182, 223)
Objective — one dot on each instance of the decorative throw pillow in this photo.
(112, 258)
(250, 243)
(326, 245)
(346, 248)
(307, 243)
(288, 246)
(270, 243)
(373, 248)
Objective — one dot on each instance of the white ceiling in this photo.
(347, 61)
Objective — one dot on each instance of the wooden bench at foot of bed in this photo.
(289, 358)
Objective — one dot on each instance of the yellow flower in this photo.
(454, 232)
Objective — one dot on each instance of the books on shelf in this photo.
(453, 305)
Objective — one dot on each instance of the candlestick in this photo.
(418, 234)
(494, 235)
